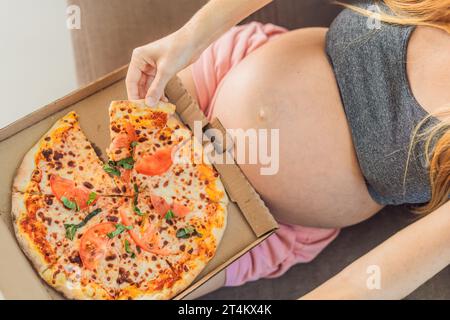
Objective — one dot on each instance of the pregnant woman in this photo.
(363, 112)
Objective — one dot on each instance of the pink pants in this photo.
(290, 244)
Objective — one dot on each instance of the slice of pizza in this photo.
(132, 123)
(144, 276)
(65, 164)
(155, 153)
(75, 251)
(167, 247)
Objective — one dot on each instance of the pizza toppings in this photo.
(162, 207)
(120, 228)
(135, 201)
(71, 229)
(120, 141)
(169, 215)
(179, 209)
(125, 139)
(72, 205)
(74, 198)
(146, 238)
(126, 163)
(91, 199)
(111, 169)
(128, 249)
(187, 232)
(155, 164)
(94, 244)
(137, 211)
(123, 142)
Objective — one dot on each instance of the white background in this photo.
(36, 58)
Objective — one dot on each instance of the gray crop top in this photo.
(370, 68)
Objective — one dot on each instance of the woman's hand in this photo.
(153, 65)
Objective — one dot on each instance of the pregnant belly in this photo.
(289, 85)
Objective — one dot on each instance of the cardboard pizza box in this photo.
(249, 220)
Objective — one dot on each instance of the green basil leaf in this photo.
(92, 197)
(137, 211)
(127, 166)
(187, 232)
(71, 229)
(136, 194)
(128, 249)
(119, 229)
(72, 205)
(112, 170)
(89, 217)
(126, 163)
(134, 144)
(169, 215)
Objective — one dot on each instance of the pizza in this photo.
(169, 161)
(141, 225)
(64, 154)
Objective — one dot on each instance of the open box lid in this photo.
(249, 220)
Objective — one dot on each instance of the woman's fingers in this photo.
(133, 82)
(141, 70)
(157, 86)
(153, 65)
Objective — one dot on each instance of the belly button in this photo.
(262, 114)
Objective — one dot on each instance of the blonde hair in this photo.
(432, 13)
(437, 159)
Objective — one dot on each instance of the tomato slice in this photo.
(94, 244)
(179, 209)
(62, 187)
(146, 237)
(155, 164)
(121, 141)
(160, 205)
(125, 175)
(131, 132)
(124, 139)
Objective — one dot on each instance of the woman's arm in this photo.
(404, 261)
(215, 18)
(154, 64)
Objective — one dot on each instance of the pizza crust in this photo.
(18, 209)
(64, 285)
